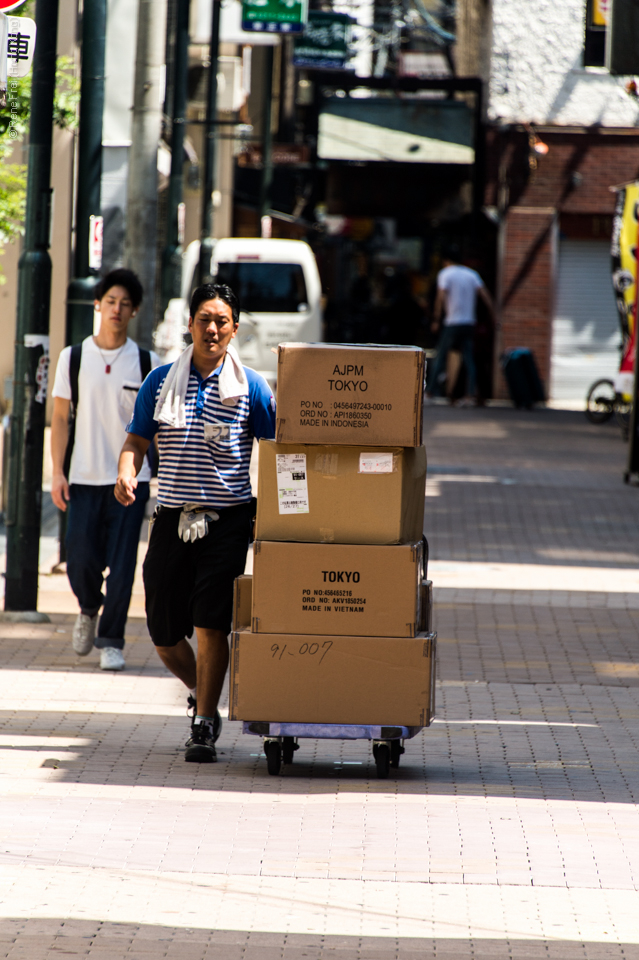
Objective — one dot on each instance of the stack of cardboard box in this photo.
(334, 626)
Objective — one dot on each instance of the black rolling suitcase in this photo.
(522, 377)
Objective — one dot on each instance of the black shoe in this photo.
(217, 726)
(191, 709)
(200, 747)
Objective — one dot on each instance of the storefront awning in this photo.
(405, 131)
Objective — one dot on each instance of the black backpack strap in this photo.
(74, 377)
(145, 363)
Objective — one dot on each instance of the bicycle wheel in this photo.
(600, 402)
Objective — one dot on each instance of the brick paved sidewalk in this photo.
(510, 829)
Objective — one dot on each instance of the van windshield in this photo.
(265, 287)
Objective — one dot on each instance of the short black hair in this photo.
(120, 278)
(215, 291)
(452, 252)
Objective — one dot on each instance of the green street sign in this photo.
(274, 16)
(325, 41)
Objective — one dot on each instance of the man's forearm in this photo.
(59, 443)
(129, 466)
(130, 462)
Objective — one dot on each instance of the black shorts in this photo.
(191, 584)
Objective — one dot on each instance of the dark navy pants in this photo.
(102, 533)
(456, 337)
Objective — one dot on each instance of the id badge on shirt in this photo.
(217, 432)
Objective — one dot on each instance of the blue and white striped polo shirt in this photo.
(195, 469)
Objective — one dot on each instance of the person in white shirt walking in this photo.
(98, 381)
(457, 291)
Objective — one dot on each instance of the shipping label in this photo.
(340, 413)
(328, 600)
(292, 486)
(375, 463)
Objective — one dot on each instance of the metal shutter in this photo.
(585, 334)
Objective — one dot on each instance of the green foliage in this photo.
(14, 126)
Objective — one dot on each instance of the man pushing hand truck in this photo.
(205, 409)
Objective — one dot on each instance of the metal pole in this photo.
(267, 139)
(80, 290)
(172, 253)
(142, 201)
(32, 332)
(210, 133)
(80, 297)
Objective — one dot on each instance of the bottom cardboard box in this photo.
(316, 679)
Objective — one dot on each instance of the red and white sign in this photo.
(6, 5)
(96, 229)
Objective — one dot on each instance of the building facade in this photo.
(561, 133)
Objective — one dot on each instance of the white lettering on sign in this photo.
(375, 463)
(292, 486)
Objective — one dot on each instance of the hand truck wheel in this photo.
(396, 750)
(288, 749)
(273, 751)
(382, 760)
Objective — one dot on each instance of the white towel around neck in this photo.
(232, 383)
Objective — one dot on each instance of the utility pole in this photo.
(210, 136)
(267, 141)
(80, 290)
(142, 201)
(172, 253)
(24, 501)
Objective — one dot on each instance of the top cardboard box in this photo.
(349, 393)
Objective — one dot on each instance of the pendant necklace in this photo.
(107, 366)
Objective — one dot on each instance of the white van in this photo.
(279, 289)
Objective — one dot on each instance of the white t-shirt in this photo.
(461, 285)
(105, 405)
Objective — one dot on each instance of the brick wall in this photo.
(571, 181)
(528, 243)
(574, 176)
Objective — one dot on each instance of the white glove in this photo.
(194, 523)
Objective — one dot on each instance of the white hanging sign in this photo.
(21, 36)
(96, 231)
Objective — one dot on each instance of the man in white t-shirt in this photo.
(457, 291)
(103, 376)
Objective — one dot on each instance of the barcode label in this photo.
(292, 487)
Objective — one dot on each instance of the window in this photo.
(265, 287)
(595, 40)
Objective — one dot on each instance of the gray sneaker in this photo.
(84, 634)
(111, 658)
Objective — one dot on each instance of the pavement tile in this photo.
(522, 793)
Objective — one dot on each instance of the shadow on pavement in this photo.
(132, 750)
(42, 939)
